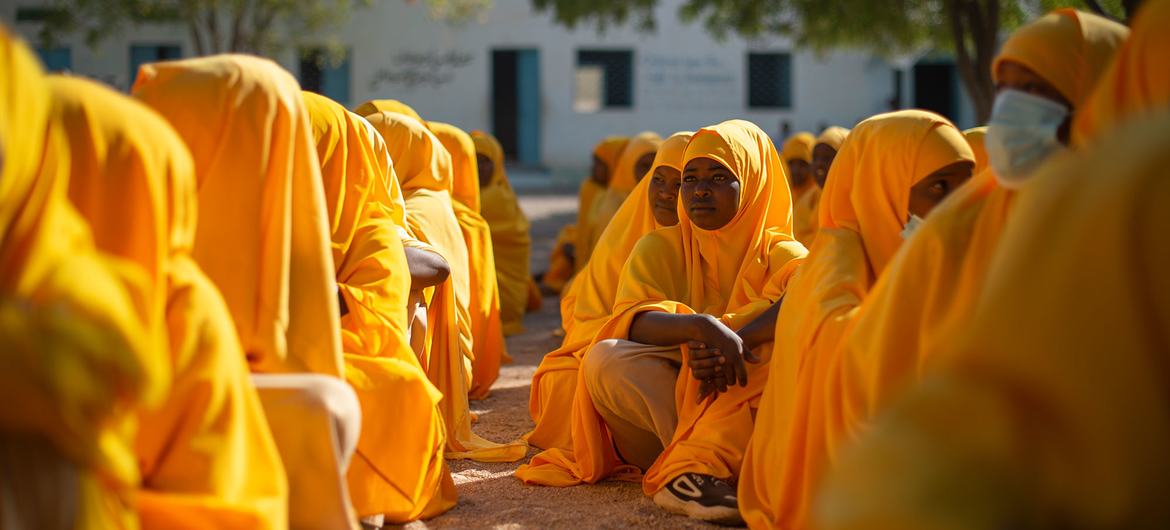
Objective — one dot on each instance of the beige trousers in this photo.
(632, 386)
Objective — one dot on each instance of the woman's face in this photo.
(935, 187)
(1015, 76)
(486, 168)
(600, 172)
(710, 193)
(823, 155)
(663, 195)
(798, 173)
(642, 165)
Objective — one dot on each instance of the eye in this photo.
(688, 178)
(940, 187)
(719, 177)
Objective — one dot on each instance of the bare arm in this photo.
(426, 268)
(762, 329)
(700, 332)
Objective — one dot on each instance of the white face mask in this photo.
(911, 226)
(1021, 135)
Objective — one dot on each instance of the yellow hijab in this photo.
(806, 206)
(78, 352)
(609, 151)
(799, 147)
(975, 136)
(375, 106)
(399, 472)
(424, 168)
(1052, 403)
(621, 182)
(586, 306)
(735, 273)
(833, 136)
(510, 238)
(1135, 81)
(263, 239)
(865, 204)
(134, 181)
(464, 170)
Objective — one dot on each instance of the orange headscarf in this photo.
(398, 473)
(464, 170)
(806, 206)
(833, 136)
(424, 168)
(78, 354)
(212, 461)
(865, 204)
(798, 147)
(510, 239)
(264, 232)
(621, 182)
(587, 305)
(974, 138)
(375, 106)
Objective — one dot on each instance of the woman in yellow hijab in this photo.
(264, 240)
(588, 303)
(892, 168)
(1041, 371)
(424, 167)
(728, 260)
(375, 106)
(398, 472)
(797, 156)
(511, 241)
(484, 303)
(210, 462)
(631, 167)
(805, 208)
(79, 352)
(975, 137)
(566, 258)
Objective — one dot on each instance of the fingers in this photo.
(708, 362)
(751, 357)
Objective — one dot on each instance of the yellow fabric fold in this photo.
(866, 201)
(80, 355)
(264, 233)
(974, 137)
(806, 205)
(424, 169)
(511, 241)
(586, 306)
(591, 195)
(375, 106)
(396, 472)
(622, 181)
(736, 272)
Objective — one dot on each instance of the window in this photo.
(58, 59)
(324, 73)
(40, 14)
(141, 54)
(769, 80)
(604, 79)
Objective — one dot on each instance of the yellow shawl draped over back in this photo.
(806, 207)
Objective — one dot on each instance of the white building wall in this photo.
(683, 78)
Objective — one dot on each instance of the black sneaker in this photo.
(701, 497)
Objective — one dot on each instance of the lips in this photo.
(664, 206)
(702, 207)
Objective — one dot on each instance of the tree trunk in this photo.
(975, 30)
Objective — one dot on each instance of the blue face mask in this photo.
(1022, 133)
(911, 226)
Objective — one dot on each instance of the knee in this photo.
(601, 363)
(319, 395)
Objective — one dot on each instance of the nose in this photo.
(702, 189)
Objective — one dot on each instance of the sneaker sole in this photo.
(721, 516)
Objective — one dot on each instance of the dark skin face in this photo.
(663, 194)
(709, 193)
(600, 173)
(642, 165)
(486, 167)
(935, 187)
(799, 172)
(1013, 75)
(823, 155)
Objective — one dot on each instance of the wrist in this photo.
(697, 326)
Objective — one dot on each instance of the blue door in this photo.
(528, 107)
(56, 59)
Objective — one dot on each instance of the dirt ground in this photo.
(489, 496)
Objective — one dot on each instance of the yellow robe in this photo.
(587, 305)
(484, 301)
(621, 182)
(424, 167)
(206, 455)
(1050, 409)
(396, 472)
(592, 208)
(736, 272)
(79, 352)
(807, 207)
(510, 238)
(864, 207)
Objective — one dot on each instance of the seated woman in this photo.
(893, 168)
(683, 292)
(424, 167)
(511, 241)
(805, 209)
(79, 353)
(797, 155)
(207, 461)
(263, 238)
(588, 303)
(631, 167)
(399, 473)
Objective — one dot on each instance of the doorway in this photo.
(936, 87)
(516, 103)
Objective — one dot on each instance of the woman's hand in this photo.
(713, 334)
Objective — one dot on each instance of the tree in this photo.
(970, 29)
(218, 26)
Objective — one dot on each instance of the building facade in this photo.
(550, 93)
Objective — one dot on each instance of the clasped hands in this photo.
(717, 355)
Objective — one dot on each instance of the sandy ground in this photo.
(489, 496)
